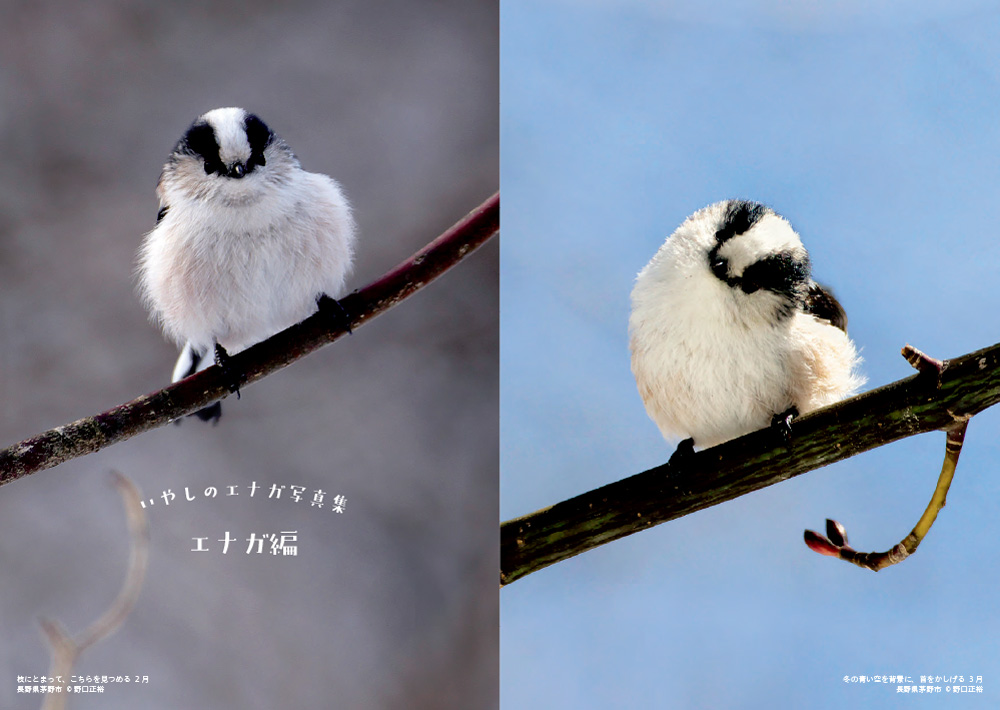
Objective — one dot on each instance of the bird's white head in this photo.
(739, 259)
(227, 154)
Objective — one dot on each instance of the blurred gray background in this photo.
(392, 604)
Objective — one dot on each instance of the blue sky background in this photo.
(876, 132)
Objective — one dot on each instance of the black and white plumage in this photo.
(728, 329)
(245, 243)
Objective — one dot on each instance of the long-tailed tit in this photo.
(729, 332)
(246, 242)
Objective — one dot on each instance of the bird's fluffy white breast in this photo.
(698, 364)
(240, 271)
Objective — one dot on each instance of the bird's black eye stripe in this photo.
(740, 216)
(781, 273)
(259, 136)
(200, 141)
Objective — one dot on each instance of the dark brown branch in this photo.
(923, 363)
(917, 404)
(91, 434)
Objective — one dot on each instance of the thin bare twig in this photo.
(834, 544)
(90, 434)
(63, 648)
(917, 404)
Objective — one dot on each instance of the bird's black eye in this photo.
(208, 168)
(720, 268)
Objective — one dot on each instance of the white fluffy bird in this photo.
(728, 331)
(246, 243)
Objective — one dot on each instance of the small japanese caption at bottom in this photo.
(922, 685)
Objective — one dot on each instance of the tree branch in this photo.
(91, 434)
(934, 399)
